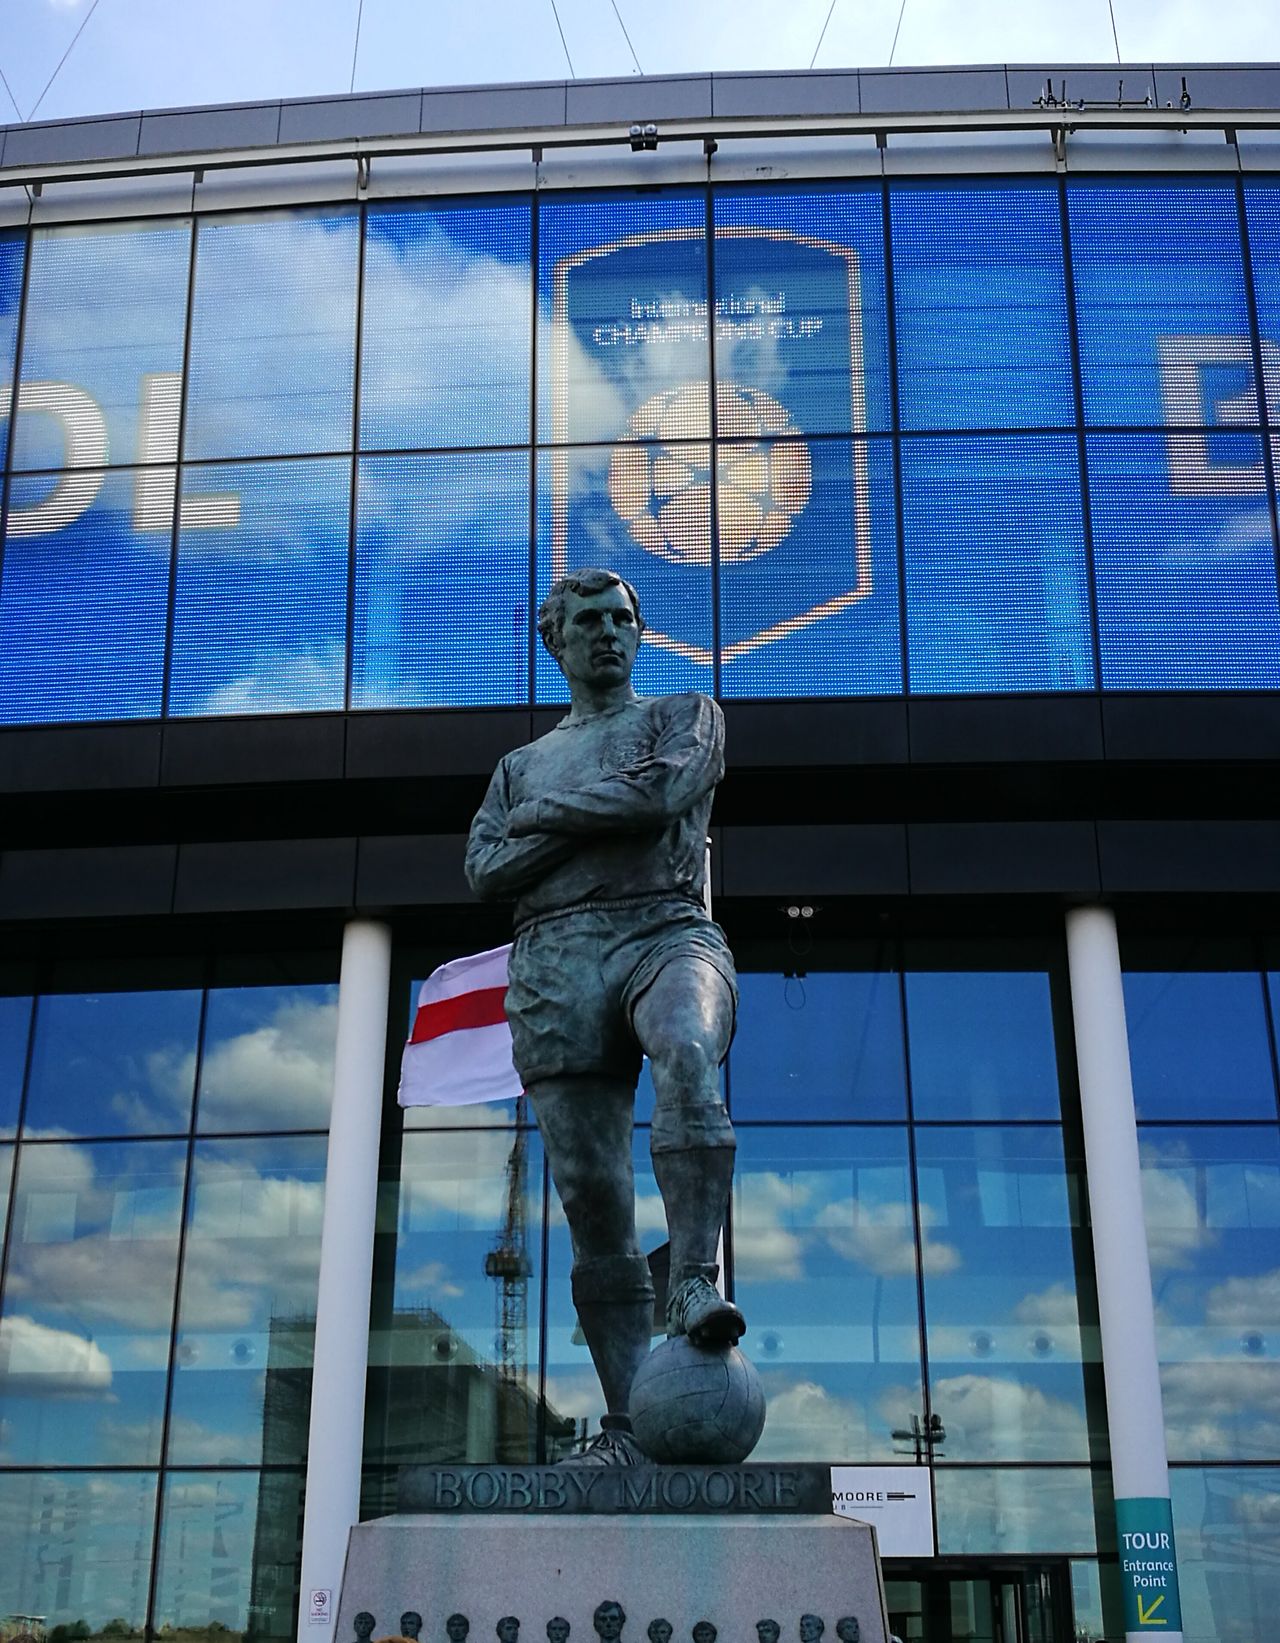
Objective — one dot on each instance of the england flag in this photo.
(459, 1051)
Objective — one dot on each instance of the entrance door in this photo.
(1027, 1605)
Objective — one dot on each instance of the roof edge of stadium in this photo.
(684, 107)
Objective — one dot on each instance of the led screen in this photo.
(1161, 305)
(1262, 209)
(442, 581)
(11, 253)
(273, 333)
(980, 304)
(259, 620)
(997, 590)
(446, 349)
(82, 606)
(1186, 572)
(102, 346)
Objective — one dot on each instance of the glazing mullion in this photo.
(349, 661)
(1082, 447)
(713, 451)
(178, 1281)
(6, 1232)
(531, 615)
(175, 533)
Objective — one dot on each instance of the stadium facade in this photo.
(976, 541)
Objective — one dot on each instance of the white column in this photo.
(346, 1271)
(1135, 1415)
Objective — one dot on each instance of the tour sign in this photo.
(1148, 1568)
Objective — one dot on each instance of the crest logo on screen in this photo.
(662, 491)
(632, 477)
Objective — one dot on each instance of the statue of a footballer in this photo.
(598, 830)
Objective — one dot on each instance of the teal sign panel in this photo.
(1148, 1567)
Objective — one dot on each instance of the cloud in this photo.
(432, 1278)
(1221, 1407)
(283, 681)
(992, 1417)
(1056, 1306)
(1245, 1303)
(51, 1362)
(1176, 1232)
(764, 1246)
(801, 1416)
(282, 1067)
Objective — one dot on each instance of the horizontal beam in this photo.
(1056, 124)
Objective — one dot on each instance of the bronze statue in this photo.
(598, 830)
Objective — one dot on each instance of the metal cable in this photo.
(555, 13)
(1114, 35)
(57, 71)
(823, 35)
(627, 37)
(12, 98)
(355, 50)
(898, 31)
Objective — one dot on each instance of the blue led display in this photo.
(259, 622)
(442, 581)
(1185, 563)
(980, 307)
(11, 252)
(273, 331)
(997, 591)
(645, 512)
(446, 348)
(784, 484)
(1160, 301)
(808, 569)
(622, 318)
(800, 304)
(82, 606)
(102, 346)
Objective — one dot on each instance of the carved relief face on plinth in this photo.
(704, 1632)
(660, 1631)
(768, 1631)
(410, 1624)
(457, 1626)
(848, 1630)
(557, 1629)
(508, 1629)
(811, 1628)
(364, 1623)
(608, 1620)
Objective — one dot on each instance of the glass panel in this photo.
(622, 314)
(446, 349)
(821, 1045)
(102, 346)
(12, 249)
(1212, 1203)
(980, 307)
(1198, 1041)
(260, 616)
(1014, 1511)
(268, 1058)
(442, 581)
(1160, 301)
(273, 335)
(113, 1064)
(453, 1374)
(86, 559)
(6, 1176)
(88, 1305)
(1228, 1576)
(1185, 566)
(229, 1556)
(77, 1552)
(800, 309)
(997, 594)
(246, 1325)
(982, 1043)
(1005, 1339)
(825, 1270)
(15, 1027)
(808, 567)
(645, 510)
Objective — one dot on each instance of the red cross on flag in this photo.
(459, 1051)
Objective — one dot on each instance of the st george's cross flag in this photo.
(459, 1049)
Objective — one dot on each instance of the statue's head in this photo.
(590, 622)
(609, 1620)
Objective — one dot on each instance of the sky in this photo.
(171, 53)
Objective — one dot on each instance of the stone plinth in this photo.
(732, 1571)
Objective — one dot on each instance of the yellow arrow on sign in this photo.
(1146, 1617)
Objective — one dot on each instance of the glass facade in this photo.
(965, 437)
(157, 1298)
